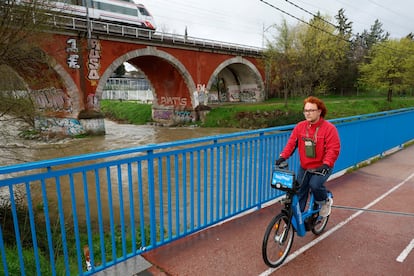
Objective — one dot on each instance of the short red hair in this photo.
(319, 103)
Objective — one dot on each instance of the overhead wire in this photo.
(310, 13)
(216, 18)
(301, 20)
(320, 29)
(359, 8)
(219, 18)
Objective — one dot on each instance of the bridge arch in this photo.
(76, 104)
(53, 90)
(170, 79)
(179, 72)
(241, 78)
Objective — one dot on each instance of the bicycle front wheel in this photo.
(277, 241)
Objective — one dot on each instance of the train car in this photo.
(114, 11)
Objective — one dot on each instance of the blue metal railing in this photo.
(101, 209)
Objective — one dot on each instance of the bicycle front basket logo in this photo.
(282, 180)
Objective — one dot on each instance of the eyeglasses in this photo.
(309, 110)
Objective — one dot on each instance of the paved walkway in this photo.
(370, 232)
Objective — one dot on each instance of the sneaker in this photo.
(326, 208)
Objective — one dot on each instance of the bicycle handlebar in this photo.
(285, 166)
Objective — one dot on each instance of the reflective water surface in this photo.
(16, 150)
(117, 136)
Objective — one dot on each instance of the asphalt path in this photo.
(370, 232)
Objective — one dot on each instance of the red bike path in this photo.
(370, 232)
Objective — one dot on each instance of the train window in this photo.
(88, 3)
(143, 11)
(116, 9)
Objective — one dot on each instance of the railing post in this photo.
(151, 200)
(260, 178)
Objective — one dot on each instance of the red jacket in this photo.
(327, 143)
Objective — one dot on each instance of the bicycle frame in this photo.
(285, 180)
(298, 217)
(280, 232)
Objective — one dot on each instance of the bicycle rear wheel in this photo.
(320, 225)
(278, 240)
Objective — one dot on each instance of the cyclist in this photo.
(319, 145)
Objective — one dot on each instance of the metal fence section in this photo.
(68, 215)
(96, 27)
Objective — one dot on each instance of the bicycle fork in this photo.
(285, 232)
(280, 239)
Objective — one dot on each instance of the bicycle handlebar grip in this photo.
(284, 165)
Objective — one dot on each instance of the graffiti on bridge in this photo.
(64, 126)
(52, 100)
(73, 57)
(92, 102)
(182, 116)
(200, 95)
(243, 93)
(94, 58)
(174, 101)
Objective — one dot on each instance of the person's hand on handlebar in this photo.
(324, 169)
(280, 161)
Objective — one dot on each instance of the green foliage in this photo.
(321, 58)
(304, 59)
(20, 22)
(20, 108)
(12, 257)
(128, 112)
(252, 116)
(390, 67)
(120, 71)
(14, 267)
(275, 113)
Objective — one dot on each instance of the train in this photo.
(113, 11)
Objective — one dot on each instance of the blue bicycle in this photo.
(278, 238)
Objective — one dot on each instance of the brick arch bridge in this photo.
(181, 75)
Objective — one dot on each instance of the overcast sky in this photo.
(243, 21)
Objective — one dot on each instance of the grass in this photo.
(42, 241)
(261, 115)
(274, 112)
(126, 112)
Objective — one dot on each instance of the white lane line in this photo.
(335, 228)
(405, 252)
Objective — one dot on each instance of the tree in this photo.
(120, 71)
(347, 68)
(305, 59)
(320, 51)
(280, 59)
(390, 68)
(344, 26)
(20, 56)
(19, 25)
(362, 43)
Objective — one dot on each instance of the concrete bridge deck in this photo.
(370, 232)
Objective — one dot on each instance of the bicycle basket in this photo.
(282, 180)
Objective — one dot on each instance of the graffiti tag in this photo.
(73, 57)
(94, 59)
(166, 100)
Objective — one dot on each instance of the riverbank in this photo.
(274, 112)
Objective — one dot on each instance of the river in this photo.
(17, 150)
